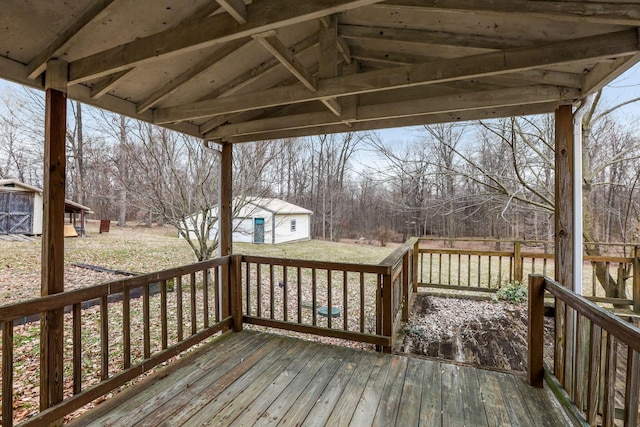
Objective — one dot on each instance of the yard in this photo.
(131, 249)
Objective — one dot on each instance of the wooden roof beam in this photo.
(236, 8)
(265, 15)
(272, 43)
(431, 37)
(420, 106)
(480, 114)
(328, 59)
(576, 11)
(494, 63)
(104, 85)
(39, 63)
(203, 65)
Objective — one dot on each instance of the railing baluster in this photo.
(205, 297)
(593, 279)
(247, 289)
(489, 273)
(285, 294)
(421, 267)
(104, 338)
(329, 299)
(299, 283)
(579, 361)
(179, 308)
(430, 268)
(259, 289)
(362, 302)
(77, 348)
(510, 269)
(593, 385)
(379, 305)
(314, 308)
(468, 270)
(163, 314)
(500, 270)
(216, 293)
(608, 413)
(479, 269)
(126, 329)
(439, 269)
(271, 291)
(7, 374)
(146, 324)
(192, 288)
(345, 296)
(458, 270)
(633, 388)
(449, 271)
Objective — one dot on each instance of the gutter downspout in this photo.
(578, 241)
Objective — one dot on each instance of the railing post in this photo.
(636, 279)
(535, 334)
(235, 288)
(416, 250)
(517, 262)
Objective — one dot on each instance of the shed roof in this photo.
(243, 70)
(277, 206)
(69, 206)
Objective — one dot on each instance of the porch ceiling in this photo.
(234, 70)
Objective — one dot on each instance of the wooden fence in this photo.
(487, 270)
(596, 370)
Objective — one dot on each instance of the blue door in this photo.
(258, 230)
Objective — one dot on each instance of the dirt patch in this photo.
(481, 333)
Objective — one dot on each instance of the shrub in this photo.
(514, 292)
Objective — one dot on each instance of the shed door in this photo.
(16, 213)
(258, 230)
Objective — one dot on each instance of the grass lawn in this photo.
(144, 250)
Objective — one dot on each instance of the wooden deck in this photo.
(252, 378)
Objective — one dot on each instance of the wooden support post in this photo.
(564, 218)
(226, 191)
(51, 324)
(416, 254)
(518, 274)
(535, 335)
(636, 279)
(236, 292)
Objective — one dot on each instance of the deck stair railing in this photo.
(596, 356)
(484, 270)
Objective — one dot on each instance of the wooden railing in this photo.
(596, 366)
(145, 320)
(487, 270)
(342, 300)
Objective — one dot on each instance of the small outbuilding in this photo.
(21, 209)
(265, 220)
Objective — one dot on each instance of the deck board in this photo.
(260, 379)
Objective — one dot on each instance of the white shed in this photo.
(266, 220)
(21, 208)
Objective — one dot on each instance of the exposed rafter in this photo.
(431, 37)
(173, 85)
(265, 15)
(236, 8)
(577, 11)
(494, 63)
(38, 64)
(104, 85)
